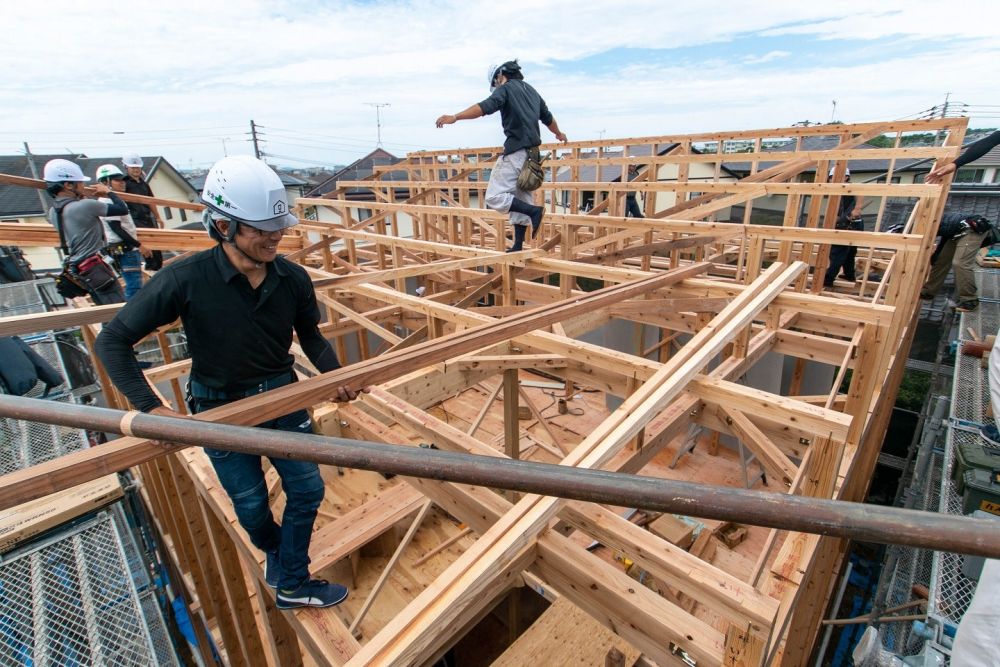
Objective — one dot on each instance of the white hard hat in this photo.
(847, 172)
(492, 74)
(245, 189)
(132, 160)
(60, 171)
(108, 171)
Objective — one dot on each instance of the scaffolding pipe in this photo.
(868, 523)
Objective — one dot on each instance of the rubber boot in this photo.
(519, 232)
(530, 210)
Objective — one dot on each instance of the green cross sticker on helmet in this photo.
(247, 190)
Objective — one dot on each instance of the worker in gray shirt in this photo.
(79, 221)
(521, 108)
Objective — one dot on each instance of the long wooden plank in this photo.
(345, 535)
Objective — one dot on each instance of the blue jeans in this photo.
(130, 263)
(242, 476)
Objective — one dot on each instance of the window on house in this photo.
(969, 175)
(881, 179)
(167, 213)
(996, 176)
(184, 215)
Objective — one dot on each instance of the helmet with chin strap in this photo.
(246, 191)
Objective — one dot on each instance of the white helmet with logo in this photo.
(62, 171)
(245, 189)
(108, 171)
(132, 160)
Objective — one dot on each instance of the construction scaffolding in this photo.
(75, 589)
(693, 321)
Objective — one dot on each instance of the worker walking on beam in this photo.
(239, 303)
(521, 108)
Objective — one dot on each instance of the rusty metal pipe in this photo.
(869, 523)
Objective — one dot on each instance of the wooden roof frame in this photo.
(739, 291)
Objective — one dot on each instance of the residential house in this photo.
(21, 204)
(976, 187)
(361, 170)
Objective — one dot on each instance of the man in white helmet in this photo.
(239, 303)
(78, 220)
(120, 231)
(521, 108)
(145, 217)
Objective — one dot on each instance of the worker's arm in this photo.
(859, 203)
(973, 152)
(474, 111)
(152, 307)
(554, 127)
(316, 347)
(130, 241)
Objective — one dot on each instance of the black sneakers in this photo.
(966, 306)
(313, 593)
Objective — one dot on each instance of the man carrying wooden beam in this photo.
(521, 108)
(239, 303)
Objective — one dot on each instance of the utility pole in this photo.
(833, 114)
(939, 136)
(253, 135)
(378, 118)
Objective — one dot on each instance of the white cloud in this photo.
(310, 67)
(766, 58)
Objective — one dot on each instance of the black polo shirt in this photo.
(520, 107)
(238, 336)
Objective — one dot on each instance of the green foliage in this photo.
(916, 139)
(913, 390)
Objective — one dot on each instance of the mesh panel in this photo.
(24, 298)
(950, 590)
(23, 444)
(71, 602)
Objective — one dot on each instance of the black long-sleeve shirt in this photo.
(238, 336)
(977, 149)
(141, 214)
(521, 108)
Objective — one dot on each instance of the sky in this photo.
(184, 79)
